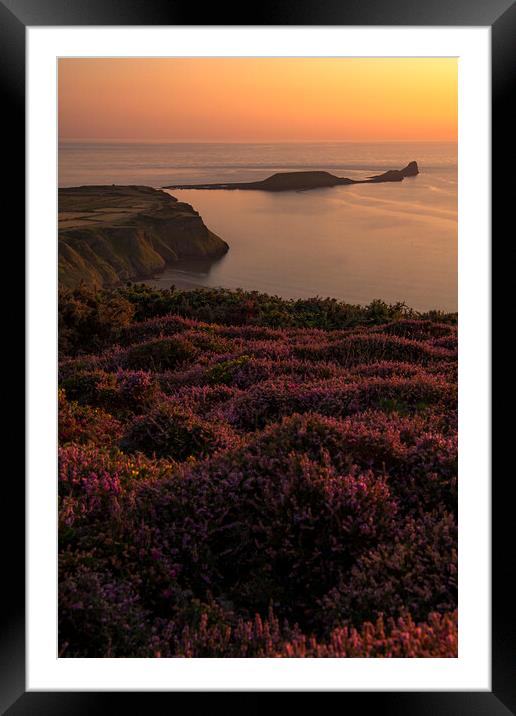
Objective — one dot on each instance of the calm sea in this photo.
(397, 242)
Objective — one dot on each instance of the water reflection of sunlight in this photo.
(399, 207)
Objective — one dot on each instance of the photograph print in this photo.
(257, 357)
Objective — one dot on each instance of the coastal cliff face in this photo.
(110, 234)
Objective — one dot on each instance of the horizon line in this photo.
(164, 140)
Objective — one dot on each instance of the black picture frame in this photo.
(15, 16)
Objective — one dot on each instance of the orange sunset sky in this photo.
(258, 99)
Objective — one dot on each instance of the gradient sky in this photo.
(258, 99)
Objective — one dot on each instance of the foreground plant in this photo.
(253, 477)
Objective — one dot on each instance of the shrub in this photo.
(204, 399)
(419, 330)
(219, 305)
(224, 372)
(100, 614)
(279, 482)
(82, 424)
(416, 570)
(268, 401)
(266, 638)
(93, 481)
(174, 432)
(123, 392)
(364, 347)
(258, 529)
(136, 390)
(162, 354)
(89, 319)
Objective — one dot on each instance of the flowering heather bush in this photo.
(93, 481)
(420, 463)
(389, 369)
(375, 346)
(449, 342)
(416, 570)
(242, 371)
(242, 476)
(100, 614)
(267, 639)
(270, 400)
(419, 330)
(137, 390)
(257, 370)
(205, 398)
(169, 430)
(160, 327)
(266, 530)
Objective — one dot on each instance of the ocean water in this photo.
(394, 241)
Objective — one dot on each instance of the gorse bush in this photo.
(89, 319)
(225, 371)
(161, 354)
(86, 317)
(123, 392)
(244, 476)
(83, 424)
(251, 307)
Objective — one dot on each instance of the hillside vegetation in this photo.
(241, 475)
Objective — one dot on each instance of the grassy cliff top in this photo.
(109, 234)
(87, 206)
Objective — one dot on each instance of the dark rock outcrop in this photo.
(302, 181)
(410, 170)
(109, 234)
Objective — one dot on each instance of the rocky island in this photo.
(110, 234)
(302, 181)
